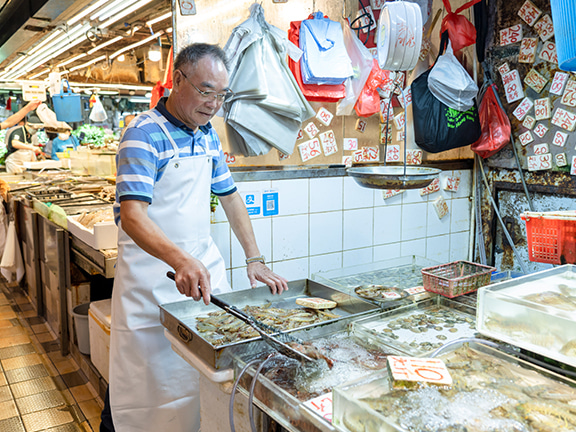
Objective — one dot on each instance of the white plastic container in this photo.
(104, 235)
(99, 318)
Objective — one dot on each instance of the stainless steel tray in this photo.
(393, 177)
(180, 317)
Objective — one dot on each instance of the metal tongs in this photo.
(269, 334)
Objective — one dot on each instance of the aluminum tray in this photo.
(180, 317)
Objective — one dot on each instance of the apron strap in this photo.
(158, 119)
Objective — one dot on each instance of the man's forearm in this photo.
(240, 222)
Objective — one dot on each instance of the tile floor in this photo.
(40, 390)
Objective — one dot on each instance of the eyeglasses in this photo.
(208, 95)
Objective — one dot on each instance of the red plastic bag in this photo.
(495, 125)
(312, 92)
(461, 31)
(368, 102)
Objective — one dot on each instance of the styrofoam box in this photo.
(99, 318)
(104, 235)
(42, 164)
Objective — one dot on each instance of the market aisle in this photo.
(39, 389)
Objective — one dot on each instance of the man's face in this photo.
(209, 76)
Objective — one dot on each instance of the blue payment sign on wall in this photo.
(270, 203)
(265, 203)
(253, 201)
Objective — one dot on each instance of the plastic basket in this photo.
(551, 236)
(456, 278)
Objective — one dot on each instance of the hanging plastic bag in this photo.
(369, 100)
(98, 113)
(312, 92)
(12, 266)
(361, 59)
(461, 31)
(495, 125)
(451, 83)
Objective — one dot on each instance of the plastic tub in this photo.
(80, 314)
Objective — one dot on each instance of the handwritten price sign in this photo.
(407, 96)
(542, 108)
(560, 139)
(282, 156)
(377, 4)
(350, 144)
(386, 110)
(452, 184)
(512, 86)
(389, 193)
(400, 79)
(523, 108)
(361, 125)
(230, 158)
(529, 122)
(431, 188)
(370, 154)
(557, 86)
(504, 68)
(535, 80)
(569, 96)
(385, 129)
(511, 35)
(544, 28)
(347, 161)
(328, 141)
(561, 160)
(564, 119)
(526, 138)
(324, 116)
(540, 130)
(310, 149)
(413, 157)
(425, 49)
(540, 149)
(300, 135)
(548, 53)
(441, 207)
(311, 130)
(321, 405)
(399, 121)
(400, 136)
(528, 50)
(529, 13)
(393, 153)
(540, 162)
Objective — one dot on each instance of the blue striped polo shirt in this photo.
(145, 151)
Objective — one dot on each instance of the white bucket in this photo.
(80, 314)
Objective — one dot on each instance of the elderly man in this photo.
(168, 162)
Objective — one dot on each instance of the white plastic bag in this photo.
(12, 266)
(98, 113)
(450, 83)
(361, 59)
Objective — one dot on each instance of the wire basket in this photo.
(551, 236)
(456, 278)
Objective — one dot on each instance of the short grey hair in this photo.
(193, 53)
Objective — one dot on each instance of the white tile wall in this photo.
(329, 223)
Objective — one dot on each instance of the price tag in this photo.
(523, 108)
(540, 149)
(528, 50)
(548, 53)
(413, 157)
(387, 88)
(542, 108)
(400, 136)
(385, 130)
(399, 121)
(400, 79)
(310, 149)
(361, 125)
(540, 130)
(393, 153)
(511, 35)
(328, 141)
(386, 110)
(557, 86)
(534, 80)
(512, 86)
(529, 122)
(569, 96)
(321, 405)
(544, 28)
(311, 130)
(415, 290)
(431, 188)
(407, 96)
(560, 139)
(371, 154)
(230, 158)
(504, 68)
(390, 295)
(452, 184)
(365, 20)
(529, 13)
(324, 116)
(350, 144)
(540, 162)
(358, 156)
(561, 160)
(377, 4)
(389, 193)
(573, 166)
(441, 207)
(282, 156)
(430, 370)
(347, 161)
(526, 138)
(564, 119)
(425, 48)
(300, 135)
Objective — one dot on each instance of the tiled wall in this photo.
(331, 222)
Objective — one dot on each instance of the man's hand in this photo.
(32, 105)
(193, 280)
(258, 271)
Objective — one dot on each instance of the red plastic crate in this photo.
(456, 278)
(551, 236)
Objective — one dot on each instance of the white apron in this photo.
(151, 387)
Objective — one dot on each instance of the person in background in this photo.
(17, 117)
(48, 146)
(169, 160)
(127, 119)
(20, 145)
(63, 141)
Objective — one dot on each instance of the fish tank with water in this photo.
(536, 312)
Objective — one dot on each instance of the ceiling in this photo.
(80, 38)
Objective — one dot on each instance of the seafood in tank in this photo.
(489, 393)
